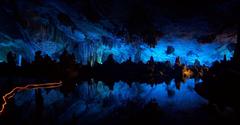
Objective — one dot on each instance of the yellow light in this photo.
(187, 72)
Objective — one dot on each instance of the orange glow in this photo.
(11, 94)
(187, 72)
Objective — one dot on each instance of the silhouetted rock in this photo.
(197, 63)
(170, 50)
(236, 55)
(151, 60)
(110, 60)
(177, 61)
(38, 58)
(11, 58)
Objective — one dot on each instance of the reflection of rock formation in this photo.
(38, 96)
(39, 105)
(96, 99)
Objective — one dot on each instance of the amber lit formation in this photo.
(11, 94)
(187, 72)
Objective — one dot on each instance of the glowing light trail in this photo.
(11, 94)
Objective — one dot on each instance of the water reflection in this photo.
(98, 99)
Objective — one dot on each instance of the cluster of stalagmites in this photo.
(66, 68)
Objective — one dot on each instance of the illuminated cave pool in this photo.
(88, 100)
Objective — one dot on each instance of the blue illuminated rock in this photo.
(52, 27)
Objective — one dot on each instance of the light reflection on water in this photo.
(99, 99)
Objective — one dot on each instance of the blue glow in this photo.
(19, 60)
(85, 40)
(98, 100)
(90, 47)
(188, 50)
